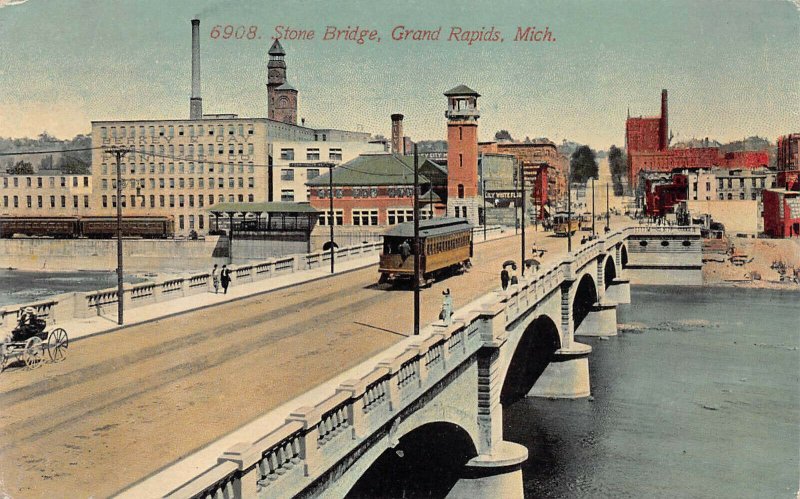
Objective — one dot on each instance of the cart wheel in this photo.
(34, 353)
(3, 358)
(57, 344)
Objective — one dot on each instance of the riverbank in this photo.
(758, 267)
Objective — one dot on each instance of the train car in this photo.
(563, 224)
(144, 227)
(446, 244)
(55, 227)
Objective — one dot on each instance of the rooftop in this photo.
(376, 169)
(293, 208)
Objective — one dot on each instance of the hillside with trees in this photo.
(74, 162)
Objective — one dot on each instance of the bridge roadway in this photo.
(126, 404)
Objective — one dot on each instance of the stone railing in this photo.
(315, 438)
(663, 229)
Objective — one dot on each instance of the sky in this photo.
(731, 66)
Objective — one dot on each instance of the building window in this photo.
(399, 216)
(63, 201)
(313, 173)
(708, 186)
(287, 174)
(312, 154)
(74, 201)
(365, 217)
(730, 196)
(721, 196)
(39, 182)
(200, 224)
(39, 201)
(251, 182)
(741, 195)
(53, 201)
(180, 201)
(753, 196)
(287, 196)
(287, 154)
(105, 201)
(335, 155)
(172, 201)
(325, 217)
(460, 191)
(181, 222)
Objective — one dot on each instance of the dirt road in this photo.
(128, 403)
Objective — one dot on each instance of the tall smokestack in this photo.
(195, 102)
(663, 138)
(397, 134)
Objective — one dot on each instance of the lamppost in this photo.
(593, 217)
(569, 210)
(416, 241)
(522, 189)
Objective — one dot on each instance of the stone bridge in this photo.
(446, 388)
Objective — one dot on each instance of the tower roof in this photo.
(286, 86)
(461, 90)
(276, 49)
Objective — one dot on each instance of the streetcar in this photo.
(564, 224)
(446, 245)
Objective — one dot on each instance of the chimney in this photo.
(397, 134)
(663, 138)
(195, 102)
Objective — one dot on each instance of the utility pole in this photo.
(516, 210)
(484, 210)
(332, 218)
(119, 152)
(593, 208)
(569, 211)
(522, 249)
(608, 225)
(416, 241)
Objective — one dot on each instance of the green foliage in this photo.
(503, 135)
(617, 163)
(21, 168)
(583, 164)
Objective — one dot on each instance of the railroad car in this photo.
(56, 227)
(145, 227)
(446, 245)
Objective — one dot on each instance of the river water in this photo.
(698, 396)
(20, 286)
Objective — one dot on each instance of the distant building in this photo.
(647, 145)
(374, 190)
(781, 213)
(45, 195)
(788, 157)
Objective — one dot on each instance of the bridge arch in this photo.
(585, 298)
(609, 271)
(532, 354)
(410, 469)
(623, 256)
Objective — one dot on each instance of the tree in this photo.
(21, 168)
(503, 135)
(583, 164)
(618, 165)
(73, 166)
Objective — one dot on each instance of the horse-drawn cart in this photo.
(30, 343)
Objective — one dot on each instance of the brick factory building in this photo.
(782, 204)
(647, 144)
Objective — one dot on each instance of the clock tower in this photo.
(281, 97)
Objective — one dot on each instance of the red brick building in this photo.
(541, 164)
(782, 205)
(661, 197)
(789, 152)
(647, 144)
(378, 190)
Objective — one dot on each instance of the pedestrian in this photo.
(225, 277)
(447, 308)
(504, 278)
(215, 279)
(405, 250)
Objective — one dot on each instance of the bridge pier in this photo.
(601, 321)
(567, 375)
(619, 291)
(498, 474)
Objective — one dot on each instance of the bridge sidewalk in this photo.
(78, 329)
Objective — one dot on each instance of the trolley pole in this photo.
(569, 212)
(484, 210)
(416, 241)
(119, 153)
(332, 218)
(522, 224)
(593, 207)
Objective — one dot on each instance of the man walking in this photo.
(225, 277)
